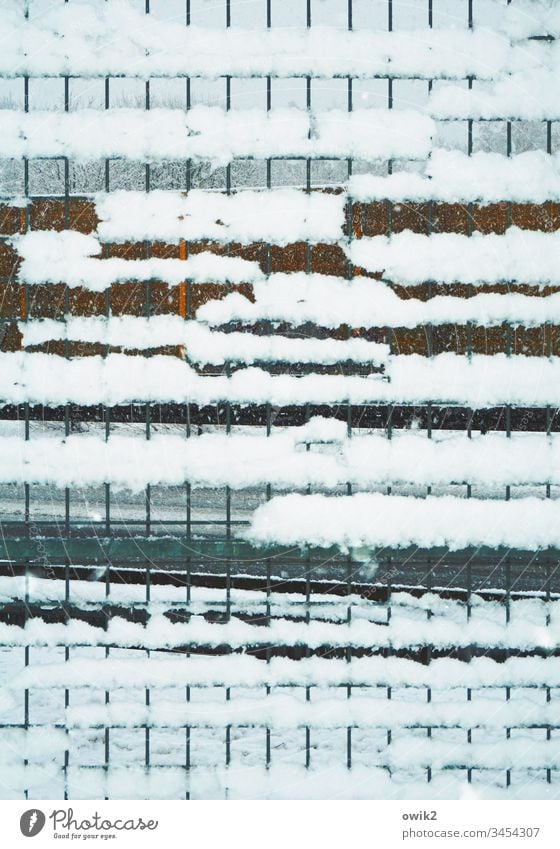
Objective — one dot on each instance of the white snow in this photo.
(244, 670)
(287, 711)
(362, 302)
(455, 177)
(279, 216)
(516, 256)
(531, 95)
(526, 18)
(201, 344)
(212, 133)
(522, 256)
(51, 257)
(255, 781)
(327, 712)
(283, 459)
(103, 41)
(409, 631)
(479, 381)
(374, 520)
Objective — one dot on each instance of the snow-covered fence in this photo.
(279, 458)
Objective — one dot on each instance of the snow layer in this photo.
(443, 632)
(361, 302)
(400, 605)
(327, 712)
(530, 95)
(279, 216)
(368, 519)
(211, 133)
(455, 177)
(258, 782)
(479, 381)
(282, 459)
(74, 258)
(288, 711)
(283, 781)
(408, 258)
(527, 18)
(115, 40)
(201, 344)
(244, 670)
(520, 256)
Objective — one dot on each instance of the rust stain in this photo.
(328, 259)
(22, 304)
(450, 218)
(410, 216)
(368, 219)
(182, 286)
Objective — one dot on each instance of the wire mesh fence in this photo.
(167, 655)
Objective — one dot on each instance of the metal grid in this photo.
(63, 544)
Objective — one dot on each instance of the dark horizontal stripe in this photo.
(434, 416)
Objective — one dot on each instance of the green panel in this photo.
(161, 550)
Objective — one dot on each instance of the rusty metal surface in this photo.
(368, 219)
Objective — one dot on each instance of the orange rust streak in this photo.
(182, 286)
(22, 309)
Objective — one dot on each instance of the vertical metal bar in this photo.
(147, 311)
(188, 315)
(307, 652)
(429, 656)
(389, 694)
(148, 501)
(106, 410)
(188, 731)
(227, 367)
(349, 657)
(508, 590)
(188, 96)
(508, 736)
(107, 419)
(26, 691)
(548, 738)
(349, 237)
(25, 304)
(469, 737)
(228, 732)
(147, 107)
(147, 728)
(148, 411)
(469, 590)
(389, 80)
(508, 329)
(147, 689)
(67, 423)
(107, 731)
